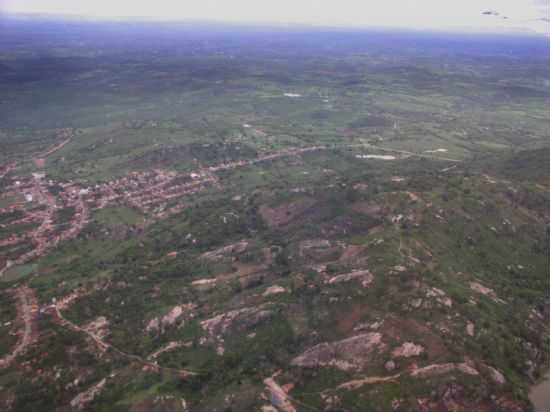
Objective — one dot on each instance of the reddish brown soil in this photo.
(351, 318)
(285, 213)
(410, 329)
(27, 311)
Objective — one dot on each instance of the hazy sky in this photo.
(418, 14)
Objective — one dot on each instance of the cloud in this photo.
(417, 14)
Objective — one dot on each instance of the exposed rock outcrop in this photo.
(169, 347)
(407, 350)
(274, 290)
(83, 398)
(159, 324)
(439, 296)
(363, 276)
(278, 397)
(490, 293)
(470, 329)
(496, 375)
(247, 317)
(440, 369)
(226, 251)
(354, 353)
(204, 284)
(355, 384)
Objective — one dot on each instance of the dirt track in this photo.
(105, 346)
(27, 310)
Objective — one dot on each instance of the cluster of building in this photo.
(40, 207)
(153, 193)
(156, 194)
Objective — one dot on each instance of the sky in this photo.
(463, 15)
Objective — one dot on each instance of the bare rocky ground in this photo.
(355, 353)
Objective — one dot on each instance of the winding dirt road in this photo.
(27, 309)
(105, 346)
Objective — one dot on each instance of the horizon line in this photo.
(271, 23)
